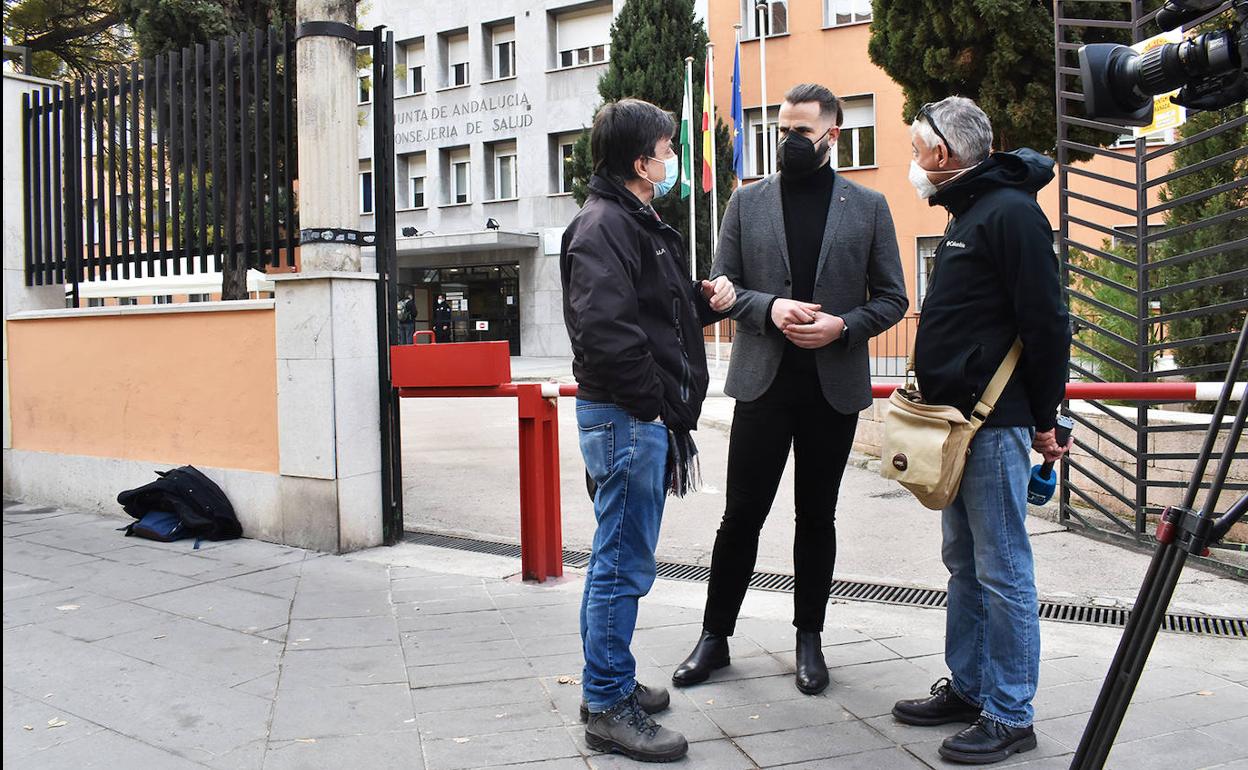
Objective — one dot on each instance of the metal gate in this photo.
(183, 163)
(1131, 286)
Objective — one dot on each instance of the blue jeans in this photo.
(992, 634)
(627, 459)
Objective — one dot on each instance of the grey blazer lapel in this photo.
(841, 199)
(773, 204)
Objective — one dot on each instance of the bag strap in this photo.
(988, 401)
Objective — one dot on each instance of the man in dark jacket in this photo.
(442, 320)
(635, 321)
(995, 279)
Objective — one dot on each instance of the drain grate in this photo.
(880, 593)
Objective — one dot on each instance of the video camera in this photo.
(1211, 69)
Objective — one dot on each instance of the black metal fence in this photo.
(183, 163)
(1154, 249)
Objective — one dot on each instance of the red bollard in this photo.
(541, 525)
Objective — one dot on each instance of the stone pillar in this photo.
(329, 435)
(18, 297)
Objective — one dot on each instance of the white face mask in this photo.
(925, 187)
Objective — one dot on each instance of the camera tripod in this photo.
(1181, 531)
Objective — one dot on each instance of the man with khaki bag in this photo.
(995, 284)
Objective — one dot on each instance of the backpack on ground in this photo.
(199, 506)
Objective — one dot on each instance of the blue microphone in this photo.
(1043, 479)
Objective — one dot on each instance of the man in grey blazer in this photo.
(814, 260)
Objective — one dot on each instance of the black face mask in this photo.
(798, 157)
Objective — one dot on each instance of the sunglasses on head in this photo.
(925, 112)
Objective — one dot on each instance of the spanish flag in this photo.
(708, 127)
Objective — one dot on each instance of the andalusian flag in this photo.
(708, 136)
(686, 139)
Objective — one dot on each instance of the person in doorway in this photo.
(995, 280)
(406, 313)
(635, 321)
(814, 259)
(442, 320)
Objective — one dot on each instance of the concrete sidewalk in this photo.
(122, 653)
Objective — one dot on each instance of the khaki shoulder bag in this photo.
(926, 445)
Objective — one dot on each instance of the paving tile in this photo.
(469, 696)
(337, 667)
(330, 633)
(281, 582)
(123, 581)
(755, 667)
(915, 646)
(218, 655)
(107, 750)
(411, 619)
(337, 574)
(249, 756)
(351, 710)
(717, 694)
(17, 586)
(673, 653)
(810, 743)
(781, 715)
(436, 651)
(1183, 750)
(567, 763)
(488, 720)
(21, 711)
(569, 664)
(414, 592)
(1230, 731)
(468, 672)
(320, 604)
(466, 634)
(224, 606)
(528, 746)
(380, 750)
(553, 645)
(52, 605)
(878, 759)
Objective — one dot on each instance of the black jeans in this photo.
(793, 412)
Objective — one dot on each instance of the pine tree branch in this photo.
(54, 40)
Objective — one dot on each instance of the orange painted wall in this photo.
(197, 388)
(837, 58)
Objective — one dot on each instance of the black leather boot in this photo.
(812, 670)
(652, 700)
(710, 653)
(942, 707)
(627, 729)
(986, 742)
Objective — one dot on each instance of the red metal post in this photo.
(541, 525)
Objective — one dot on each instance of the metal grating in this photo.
(880, 593)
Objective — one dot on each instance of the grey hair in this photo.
(964, 124)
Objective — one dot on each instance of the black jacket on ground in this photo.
(995, 278)
(633, 314)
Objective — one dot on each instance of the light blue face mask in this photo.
(671, 167)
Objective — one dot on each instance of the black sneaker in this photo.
(944, 706)
(986, 742)
(652, 700)
(627, 729)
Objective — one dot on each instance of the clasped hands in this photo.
(720, 293)
(805, 324)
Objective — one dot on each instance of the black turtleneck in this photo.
(805, 202)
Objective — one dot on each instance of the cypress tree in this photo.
(649, 42)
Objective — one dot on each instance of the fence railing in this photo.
(182, 163)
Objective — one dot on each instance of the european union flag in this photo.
(738, 118)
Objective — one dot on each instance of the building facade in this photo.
(489, 100)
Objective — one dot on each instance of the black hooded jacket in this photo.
(995, 278)
(633, 314)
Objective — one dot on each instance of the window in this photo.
(1128, 233)
(365, 79)
(127, 300)
(1163, 136)
(199, 298)
(456, 169)
(856, 146)
(775, 18)
(561, 147)
(757, 152)
(925, 249)
(838, 13)
(582, 37)
(366, 192)
(501, 157)
(412, 173)
(95, 302)
(455, 47)
(415, 56)
(162, 299)
(503, 50)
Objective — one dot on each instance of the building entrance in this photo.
(484, 300)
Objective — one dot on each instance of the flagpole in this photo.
(693, 229)
(768, 150)
(710, 85)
